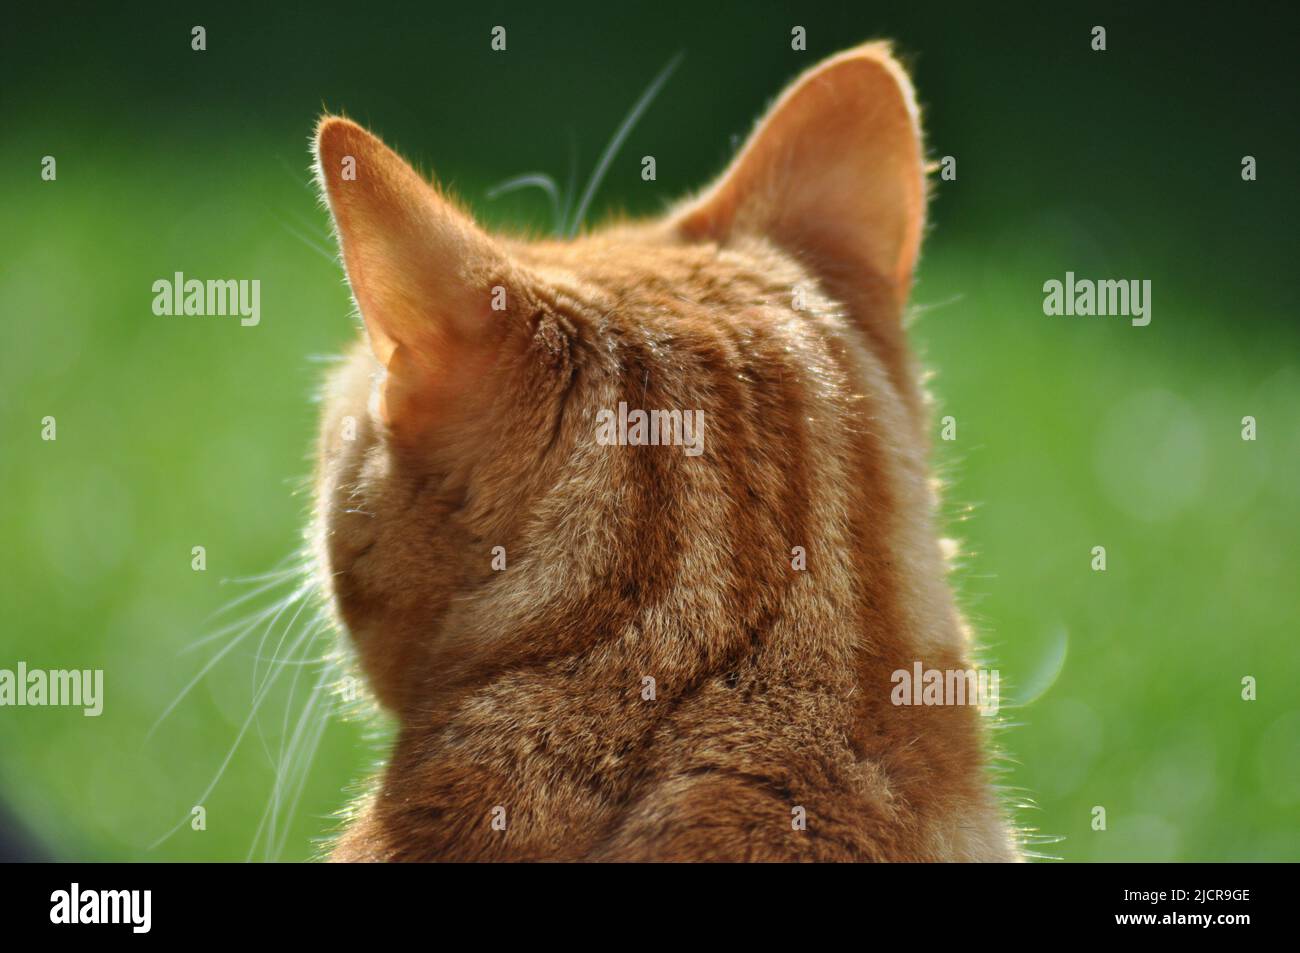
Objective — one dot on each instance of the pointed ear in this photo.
(423, 274)
(834, 173)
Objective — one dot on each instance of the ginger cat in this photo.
(653, 675)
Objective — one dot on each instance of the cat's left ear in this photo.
(440, 298)
(834, 174)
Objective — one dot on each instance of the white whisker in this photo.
(243, 730)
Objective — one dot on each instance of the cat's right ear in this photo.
(434, 291)
(834, 173)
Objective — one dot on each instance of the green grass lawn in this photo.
(185, 431)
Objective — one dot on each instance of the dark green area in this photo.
(1071, 432)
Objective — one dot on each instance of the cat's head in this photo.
(470, 511)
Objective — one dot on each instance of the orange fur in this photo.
(522, 689)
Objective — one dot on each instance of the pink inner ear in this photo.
(834, 172)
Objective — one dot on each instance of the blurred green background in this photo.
(1072, 432)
